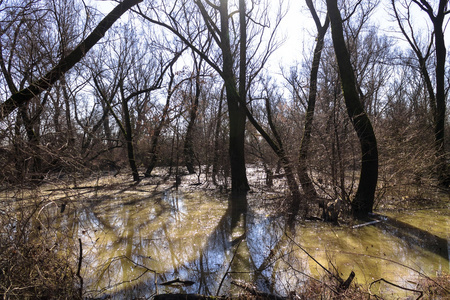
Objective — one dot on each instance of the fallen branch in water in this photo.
(252, 290)
(346, 284)
(366, 224)
(178, 282)
(397, 286)
(136, 264)
(339, 279)
(228, 268)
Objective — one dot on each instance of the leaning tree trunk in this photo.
(302, 169)
(362, 204)
(287, 166)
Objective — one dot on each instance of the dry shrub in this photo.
(328, 288)
(435, 288)
(34, 261)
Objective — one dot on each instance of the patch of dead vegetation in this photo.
(35, 263)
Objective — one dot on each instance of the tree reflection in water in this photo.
(134, 245)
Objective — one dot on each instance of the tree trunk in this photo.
(302, 170)
(155, 138)
(129, 139)
(215, 165)
(362, 204)
(442, 167)
(237, 117)
(70, 131)
(438, 99)
(239, 183)
(188, 151)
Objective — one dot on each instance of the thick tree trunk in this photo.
(442, 165)
(362, 204)
(239, 182)
(153, 156)
(237, 117)
(33, 144)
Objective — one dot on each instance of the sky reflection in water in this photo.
(130, 244)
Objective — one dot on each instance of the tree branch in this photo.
(65, 63)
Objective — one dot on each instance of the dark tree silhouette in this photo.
(362, 204)
(66, 63)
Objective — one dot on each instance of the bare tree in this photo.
(188, 150)
(303, 176)
(66, 63)
(217, 23)
(362, 204)
(124, 61)
(437, 94)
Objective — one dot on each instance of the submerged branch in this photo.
(252, 290)
(397, 286)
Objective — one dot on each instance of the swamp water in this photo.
(131, 246)
(134, 241)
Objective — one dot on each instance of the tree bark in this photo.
(287, 167)
(66, 63)
(129, 136)
(438, 21)
(236, 114)
(302, 170)
(188, 151)
(155, 137)
(362, 204)
(215, 166)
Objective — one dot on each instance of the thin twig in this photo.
(146, 269)
(400, 264)
(310, 256)
(312, 278)
(228, 268)
(397, 286)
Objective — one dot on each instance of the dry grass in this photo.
(35, 260)
(435, 288)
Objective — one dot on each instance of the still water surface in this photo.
(131, 245)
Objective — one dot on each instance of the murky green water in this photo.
(132, 245)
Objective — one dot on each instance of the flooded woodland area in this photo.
(125, 240)
(224, 149)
